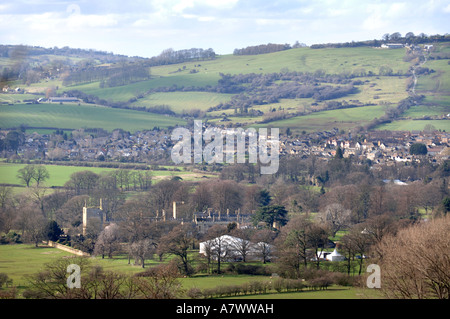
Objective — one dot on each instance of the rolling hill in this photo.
(304, 89)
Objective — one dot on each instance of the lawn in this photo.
(20, 260)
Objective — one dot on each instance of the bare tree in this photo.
(415, 262)
(40, 174)
(108, 241)
(336, 217)
(141, 249)
(226, 195)
(178, 242)
(32, 223)
(243, 246)
(217, 246)
(293, 245)
(318, 239)
(25, 174)
(357, 242)
(263, 243)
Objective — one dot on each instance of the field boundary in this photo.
(68, 249)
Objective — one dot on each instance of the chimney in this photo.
(174, 210)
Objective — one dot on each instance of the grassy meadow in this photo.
(21, 260)
(324, 120)
(60, 174)
(74, 116)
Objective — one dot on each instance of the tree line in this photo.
(125, 73)
(170, 56)
(395, 37)
(262, 49)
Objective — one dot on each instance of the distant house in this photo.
(231, 247)
(392, 46)
(334, 256)
(55, 99)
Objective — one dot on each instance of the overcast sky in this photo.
(145, 28)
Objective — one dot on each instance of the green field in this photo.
(412, 125)
(378, 90)
(325, 120)
(184, 101)
(73, 116)
(60, 174)
(20, 260)
(332, 60)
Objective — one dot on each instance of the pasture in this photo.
(73, 116)
(330, 60)
(21, 260)
(415, 125)
(183, 101)
(324, 120)
(60, 174)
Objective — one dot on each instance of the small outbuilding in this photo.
(335, 256)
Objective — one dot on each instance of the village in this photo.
(154, 146)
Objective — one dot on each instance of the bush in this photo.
(194, 293)
(4, 279)
(242, 269)
(11, 238)
(342, 279)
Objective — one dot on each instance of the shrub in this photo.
(194, 293)
(242, 269)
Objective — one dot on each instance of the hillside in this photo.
(303, 89)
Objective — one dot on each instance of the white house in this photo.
(392, 46)
(334, 256)
(231, 247)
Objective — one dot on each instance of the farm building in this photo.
(231, 248)
(392, 46)
(334, 256)
(55, 99)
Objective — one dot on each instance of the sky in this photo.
(146, 28)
